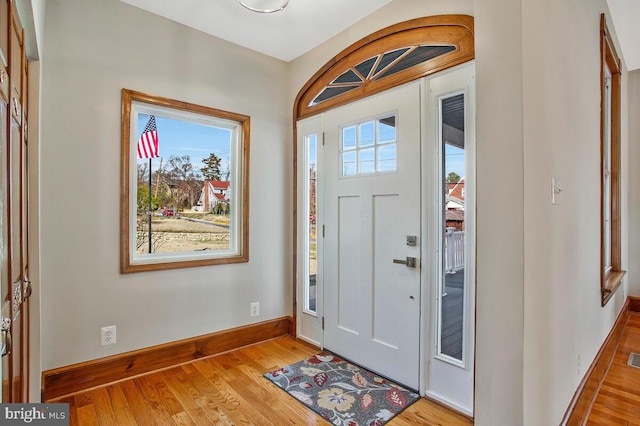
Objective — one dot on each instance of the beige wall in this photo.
(500, 233)
(93, 50)
(564, 324)
(537, 109)
(538, 306)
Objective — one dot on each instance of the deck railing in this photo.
(454, 250)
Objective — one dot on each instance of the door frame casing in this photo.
(426, 30)
(432, 157)
(306, 320)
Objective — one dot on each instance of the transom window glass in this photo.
(380, 66)
(369, 147)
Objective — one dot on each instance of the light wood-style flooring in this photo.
(618, 400)
(226, 389)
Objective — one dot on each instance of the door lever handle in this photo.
(5, 337)
(27, 288)
(409, 261)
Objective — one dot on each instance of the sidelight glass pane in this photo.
(311, 167)
(451, 298)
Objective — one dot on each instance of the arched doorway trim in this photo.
(420, 47)
(387, 58)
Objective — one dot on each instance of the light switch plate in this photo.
(556, 191)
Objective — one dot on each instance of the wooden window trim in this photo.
(610, 281)
(454, 30)
(126, 265)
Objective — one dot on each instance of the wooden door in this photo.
(5, 281)
(16, 287)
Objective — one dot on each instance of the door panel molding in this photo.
(371, 303)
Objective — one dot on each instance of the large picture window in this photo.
(184, 184)
(610, 72)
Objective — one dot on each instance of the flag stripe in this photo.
(148, 143)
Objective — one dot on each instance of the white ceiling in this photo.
(304, 24)
(301, 26)
(626, 21)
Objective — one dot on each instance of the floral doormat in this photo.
(342, 393)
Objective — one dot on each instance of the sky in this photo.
(454, 160)
(179, 138)
(454, 157)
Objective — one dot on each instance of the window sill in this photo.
(611, 284)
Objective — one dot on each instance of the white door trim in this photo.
(451, 383)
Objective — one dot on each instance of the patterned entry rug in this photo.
(342, 393)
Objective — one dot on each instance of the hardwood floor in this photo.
(618, 400)
(226, 389)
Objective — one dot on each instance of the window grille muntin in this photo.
(369, 147)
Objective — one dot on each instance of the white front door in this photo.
(372, 233)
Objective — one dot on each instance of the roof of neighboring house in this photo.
(219, 184)
(454, 215)
(455, 189)
(454, 203)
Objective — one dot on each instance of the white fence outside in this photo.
(454, 250)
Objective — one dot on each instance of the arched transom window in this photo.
(378, 67)
(388, 58)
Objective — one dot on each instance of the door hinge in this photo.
(322, 138)
(323, 323)
(322, 231)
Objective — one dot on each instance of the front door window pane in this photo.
(369, 147)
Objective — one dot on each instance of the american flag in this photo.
(148, 142)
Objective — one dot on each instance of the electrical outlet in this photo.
(255, 309)
(108, 335)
